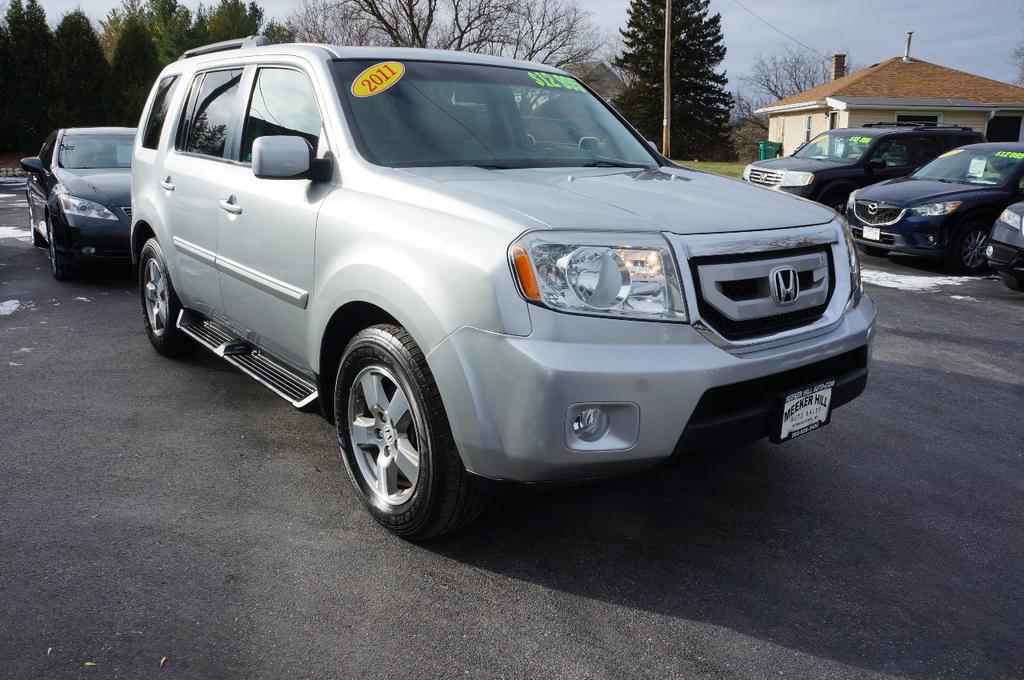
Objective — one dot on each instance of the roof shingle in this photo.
(916, 79)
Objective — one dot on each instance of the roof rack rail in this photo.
(236, 44)
(922, 125)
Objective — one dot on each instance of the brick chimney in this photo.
(838, 66)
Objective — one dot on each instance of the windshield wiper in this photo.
(613, 164)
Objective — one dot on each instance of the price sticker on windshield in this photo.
(378, 78)
(1016, 155)
(860, 140)
(554, 80)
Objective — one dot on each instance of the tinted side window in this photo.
(213, 113)
(895, 152)
(282, 103)
(46, 152)
(158, 114)
(924, 149)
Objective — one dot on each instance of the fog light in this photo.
(931, 238)
(590, 424)
(990, 251)
(88, 250)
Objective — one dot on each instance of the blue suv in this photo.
(945, 210)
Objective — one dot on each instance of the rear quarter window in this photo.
(158, 113)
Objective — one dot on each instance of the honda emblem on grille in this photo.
(785, 285)
(872, 208)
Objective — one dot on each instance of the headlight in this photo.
(82, 208)
(622, 275)
(795, 178)
(1013, 219)
(856, 285)
(746, 172)
(933, 209)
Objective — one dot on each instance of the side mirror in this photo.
(287, 157)
(877, 164)
(654, 145)
(33, 164)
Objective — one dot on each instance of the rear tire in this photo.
(160, 304)
(395, 438)
(967, 249)
(1012, 282)
(873, 251)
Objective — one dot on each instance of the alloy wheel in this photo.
(384, 441)
(155, 286)
(973, 251)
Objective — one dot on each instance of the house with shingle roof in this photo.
(898, 90)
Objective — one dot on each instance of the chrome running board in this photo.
(298, 390)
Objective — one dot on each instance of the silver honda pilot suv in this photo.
(477, 269)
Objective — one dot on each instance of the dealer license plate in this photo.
(873, 233)
(805, 410)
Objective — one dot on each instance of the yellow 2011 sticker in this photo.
(951, 153)
(377, 78)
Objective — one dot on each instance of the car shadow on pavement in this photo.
(864, 553)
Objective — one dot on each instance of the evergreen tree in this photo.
(234, 19)
(133, 70)
(700, 103)
(30, 47)
(6, 88)
(172, 28)
(79, 74)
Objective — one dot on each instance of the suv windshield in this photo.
(989, 167)
(418, 113)
(84, 152)
(836, 146)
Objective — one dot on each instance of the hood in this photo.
(802, 164)
(907, 191)
(109, 186)
(667, 199)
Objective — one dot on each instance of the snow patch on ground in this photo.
(911, 282)
(16, 232)
(12, 363)
(968, 298)
(84, 299)
(9, 307)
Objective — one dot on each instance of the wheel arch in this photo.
(141, 232)
(342, 326)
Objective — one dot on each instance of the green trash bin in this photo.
(769, 149)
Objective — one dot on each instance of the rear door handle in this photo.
(166, 184)
(230, 206)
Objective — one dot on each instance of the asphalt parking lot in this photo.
(152, 508)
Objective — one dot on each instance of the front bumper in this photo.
(914, 234)
(510, 399)
(92, 240)
(1007, 249)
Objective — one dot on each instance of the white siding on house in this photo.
(790, 129)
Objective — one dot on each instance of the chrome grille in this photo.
(735, 294)
(765, 178)
(877, 214)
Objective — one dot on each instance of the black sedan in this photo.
(945, 210)
(1006, 247)
(79, 196)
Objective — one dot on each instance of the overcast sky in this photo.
(977, 36)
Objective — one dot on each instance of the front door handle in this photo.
(230, 206)
(166, 184)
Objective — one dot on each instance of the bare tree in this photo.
(558, 32)
(1018, 59)
(777, 76)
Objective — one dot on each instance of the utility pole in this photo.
(666, 122)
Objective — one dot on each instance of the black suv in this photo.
(835, 163)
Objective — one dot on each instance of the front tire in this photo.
(160, 304)
(395, 438)
(967, 251)
(59, 267)
(1012, 282)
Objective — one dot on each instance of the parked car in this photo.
(1005, 249)
(79, 196)
(835, 163)
(479, 269)
(943, 211)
